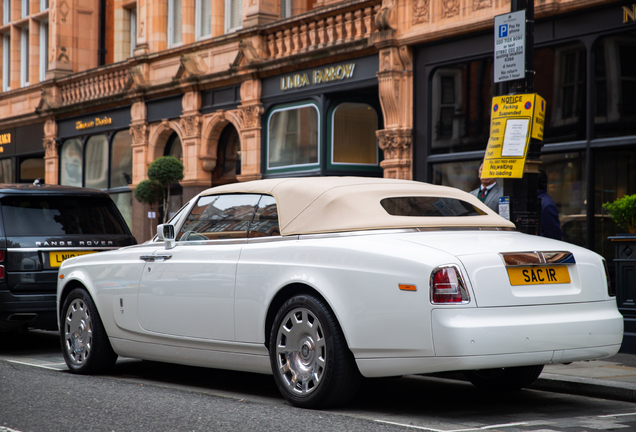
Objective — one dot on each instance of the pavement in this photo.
(610, 378)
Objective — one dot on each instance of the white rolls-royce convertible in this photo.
(324, 281)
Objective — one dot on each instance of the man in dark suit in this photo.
(489, 191)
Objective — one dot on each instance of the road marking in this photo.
(618, 415)
(6, 429)
(49, 366)
(454, 430)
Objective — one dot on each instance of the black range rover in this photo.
(41, 226)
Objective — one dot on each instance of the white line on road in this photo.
(618, 415)
(50, 366)
(454, 430)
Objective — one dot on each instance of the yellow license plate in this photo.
(538, 275)
(57, 257)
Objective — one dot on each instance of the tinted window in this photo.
(55, 216)
(429, 206)
(265, 222)
(219, 217)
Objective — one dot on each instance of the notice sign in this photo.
(510, 43)
(514, 120)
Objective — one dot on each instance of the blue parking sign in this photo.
(503, 30)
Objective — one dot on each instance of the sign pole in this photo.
(525, 207)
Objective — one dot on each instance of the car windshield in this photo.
(57, 215)
(429, 206)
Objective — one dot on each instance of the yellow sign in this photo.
(318, 76)
(5, 138)
(93, 123)
(629, 13)
(514, 119)
(56, 258)
(538, 275)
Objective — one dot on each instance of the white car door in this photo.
(188, 290)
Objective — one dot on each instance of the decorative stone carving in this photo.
(386, 17)
(251, 115)
(397, 146)
(421, 12)
(50, 147)
(138, 132)
(450, 8)
(482, 4)
(208, 163)
(190, 125)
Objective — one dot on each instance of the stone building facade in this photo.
(94, 90)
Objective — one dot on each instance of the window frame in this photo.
(330, 145)
(229, 16)
(6, 62)
(297, 167)
(171, 25)
(44, 48)
(198, 16)
(24, 57)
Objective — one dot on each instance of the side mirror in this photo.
(165, 232)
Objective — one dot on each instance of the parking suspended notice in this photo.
(510, 43)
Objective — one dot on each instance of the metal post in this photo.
(525, 207)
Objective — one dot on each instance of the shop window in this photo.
(615, 86)
(96, 155)
(293, 138)
(44, 49)
(562, 69)
(461, 95)
(123, 201)
(614, 177)
(203, 19)
(71, 156)
(233, 15)
(460, 175)
(31, 169)
(353, 135)
(6, 62)
(6, 170)
(174, 23)
(121, 160)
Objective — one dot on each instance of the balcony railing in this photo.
(107, 83)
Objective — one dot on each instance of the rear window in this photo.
(429, 206)
(59, 215)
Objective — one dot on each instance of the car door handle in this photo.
(153, 258)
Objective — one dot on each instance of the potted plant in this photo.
(623, 212)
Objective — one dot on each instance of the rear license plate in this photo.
(538, 275)
(57, 257)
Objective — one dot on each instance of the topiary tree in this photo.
(149, 192)
(166, 170)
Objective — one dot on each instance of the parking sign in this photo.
(510, 43)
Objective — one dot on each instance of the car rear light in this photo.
(610, 289)
(447, 286)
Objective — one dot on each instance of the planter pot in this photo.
(625, 280)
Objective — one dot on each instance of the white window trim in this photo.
(228, 17)
(44, 44)
(44, 5)
(288, 9)
(171, 43)
(198, 11)
(24, 57)
(6, 12)
(6, 62)
(318, 144)
(132, 17)
(25, 8)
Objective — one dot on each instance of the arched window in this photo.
(293, 138)
(173, 147)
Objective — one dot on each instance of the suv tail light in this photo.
(2, 256)
(447, 286)
(610, 289)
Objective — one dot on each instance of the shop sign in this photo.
(79, 125)
(5, 138)
(629, 13)
(317, 76)
(514, 120)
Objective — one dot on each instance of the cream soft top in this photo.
(310, 205)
